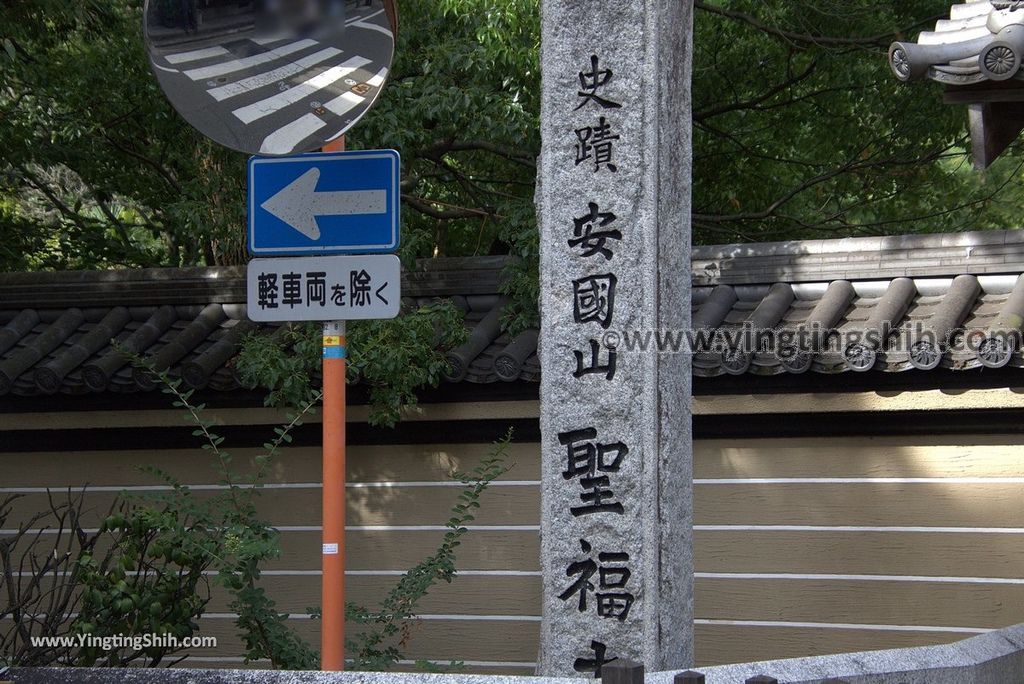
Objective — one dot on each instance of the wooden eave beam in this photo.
(996, 116)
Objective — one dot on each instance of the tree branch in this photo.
(882, 40)
(65, 211)
(164, 173)
(442, 147)
(426, 206)
(703, 114)
(854, 164)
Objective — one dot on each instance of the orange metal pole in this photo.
(335, 145)
(332, 635)
(332, 597)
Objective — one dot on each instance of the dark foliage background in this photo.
(800, 131)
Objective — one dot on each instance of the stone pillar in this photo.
(614, 210)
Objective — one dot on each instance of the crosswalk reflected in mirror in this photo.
(271, 77)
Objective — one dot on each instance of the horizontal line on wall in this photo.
(855, 528)
(152, 488)
(523, 483)
(48, 531)
(855, 578)
(474, 663)
(860, 480)
(409, 528)
(438, 528)
(281, 485)
(452, 617)
(318, 528)
(699, 575)
(843, 625)
(446, 483)
(871, 401)
(131, 438)
(536, 528)
(232, 616)
(222, 659)
(471, 663)
(397, 573)
(227, 417)
(485, 618)
(466, 573)
(697, 621)
(317, 573)
(859, 402)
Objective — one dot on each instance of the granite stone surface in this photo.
(613, 206)
(993, 658)
(996, 657)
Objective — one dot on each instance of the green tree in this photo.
(93, 154)
(800, 131)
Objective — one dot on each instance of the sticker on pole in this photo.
(325, 288)
(334, 203)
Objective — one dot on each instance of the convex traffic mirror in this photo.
(271, 77)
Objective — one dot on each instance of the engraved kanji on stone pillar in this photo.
(613, 204)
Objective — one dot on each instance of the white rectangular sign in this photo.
(324, 288)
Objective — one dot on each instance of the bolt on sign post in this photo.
(280, 80)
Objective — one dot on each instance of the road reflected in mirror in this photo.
(271, 77)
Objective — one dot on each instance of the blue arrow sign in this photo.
(333, 203)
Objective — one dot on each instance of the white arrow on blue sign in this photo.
(324, 203)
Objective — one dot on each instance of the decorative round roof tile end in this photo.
(996, 351)
(795, 360)
(736, 361)
(47, 380)
(925, 355)
(1000, 61)
(457, 369)
(899, 62)
(94, 378)
(193, 376)
(144, 379)
(859, 357)
(506, 367)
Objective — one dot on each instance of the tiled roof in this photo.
(923, 314)
(55, 328)
(981, 41)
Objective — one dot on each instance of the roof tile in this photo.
(798, 290)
